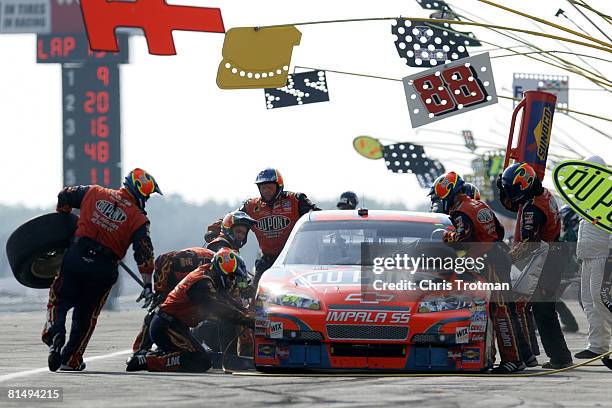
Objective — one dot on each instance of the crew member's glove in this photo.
(148, 296)
(66, 208)
(503, 198)
(247, 320)
(213, 231)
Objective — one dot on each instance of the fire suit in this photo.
(475, 222)
(193, 300)
(109, 222)
(538, 220)
(170, 269)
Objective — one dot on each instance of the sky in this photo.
(204, 143)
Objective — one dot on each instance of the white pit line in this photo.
(26, 373)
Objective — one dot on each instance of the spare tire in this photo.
(35, 250)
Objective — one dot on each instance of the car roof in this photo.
(379, 215)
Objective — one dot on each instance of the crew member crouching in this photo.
(203, 294)
(170, 269)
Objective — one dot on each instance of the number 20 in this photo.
(451, 89)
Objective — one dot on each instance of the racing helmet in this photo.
(569, 216)
(444, 190)
(141, 185)
(348, 201)
(271, 175)
(232, 219)
(518, 181)
(226, 266)
(471, 191)
(436, 203)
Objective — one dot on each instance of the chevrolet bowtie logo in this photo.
(369, 297)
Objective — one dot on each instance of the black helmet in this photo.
(236, 218)
(348, 201)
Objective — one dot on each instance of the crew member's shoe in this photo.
(532, 361)
(80, 367)
(55, 360)
(137, 362)
(585, 355)
(509, 367)
(557, 366)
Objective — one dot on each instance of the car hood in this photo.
(334, 286)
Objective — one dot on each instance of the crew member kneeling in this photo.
(203, 294)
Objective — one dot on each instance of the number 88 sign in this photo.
(450, 89)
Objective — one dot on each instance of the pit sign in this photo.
(450, 89)
(587, 188)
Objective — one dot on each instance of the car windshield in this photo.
(339, 242)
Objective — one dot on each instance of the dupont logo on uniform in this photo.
(273, 223)
(111, 211)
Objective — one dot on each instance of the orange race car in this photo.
(321, 306)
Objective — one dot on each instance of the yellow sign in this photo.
(368, 147)
(587, 188)
(257, 58)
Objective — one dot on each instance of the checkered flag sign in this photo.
(433, 4)
(427, 45)
(468, 138)
(411, 158)
(303, 88)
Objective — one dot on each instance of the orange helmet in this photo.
(141, 185)
(227, 264)
(445, 188)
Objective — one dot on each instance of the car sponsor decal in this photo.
(471, 355)
(276, 330)
(478, 337)
(454, 354)
(478, 308)
(368, 316)
(479, 327)
(262, 323)
(282, 352)
(265, 351)
(330, 277)
(462, 335)
(479, 317)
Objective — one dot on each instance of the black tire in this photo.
(35, 250)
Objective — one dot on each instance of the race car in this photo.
(318, 307)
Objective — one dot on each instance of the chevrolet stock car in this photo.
(313, 313)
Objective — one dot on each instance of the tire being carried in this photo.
(35, 250)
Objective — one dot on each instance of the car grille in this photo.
(429, 338)
(367, 350)
(305, 335)
(366, 332)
